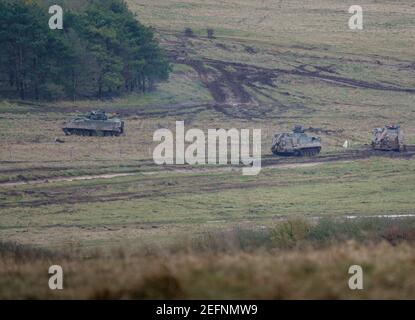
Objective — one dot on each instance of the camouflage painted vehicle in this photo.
(295, 143)
(95, 123)
(389, 138)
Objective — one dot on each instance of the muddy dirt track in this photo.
(266, 161)
(164, 187)
(236, 87)
(228, 83)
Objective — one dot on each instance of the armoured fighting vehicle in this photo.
(95, 123)
(389, 138)
(295, 143)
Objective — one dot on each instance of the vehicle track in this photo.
(267, 161)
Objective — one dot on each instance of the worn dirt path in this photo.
(267, 162)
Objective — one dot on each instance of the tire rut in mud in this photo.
(267, 161)
(228, 81)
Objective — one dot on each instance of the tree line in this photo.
(103, 51)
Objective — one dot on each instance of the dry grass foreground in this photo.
(310, 274)
(298, 260)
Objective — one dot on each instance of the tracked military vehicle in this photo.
(95, 123)
(295, 143)
(389, 138)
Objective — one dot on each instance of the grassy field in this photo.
(264, 69)
(159, 207)
(271, 65)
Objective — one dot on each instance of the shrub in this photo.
(289, 233)
(330, 230)
(210, 33)
(188, 32)
(20, 252)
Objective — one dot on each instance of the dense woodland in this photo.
(101, 52)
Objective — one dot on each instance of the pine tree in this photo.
(103, 51)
